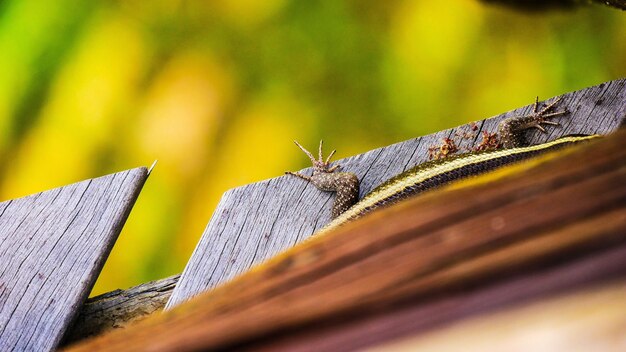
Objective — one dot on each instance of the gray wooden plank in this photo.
(52, 247)
(254, 222)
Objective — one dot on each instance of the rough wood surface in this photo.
(254, 222)
(52, 247)
(559, 208)
(117, 309)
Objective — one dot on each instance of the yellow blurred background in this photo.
(218, 90)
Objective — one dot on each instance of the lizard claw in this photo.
(540, 117)
(510, 129)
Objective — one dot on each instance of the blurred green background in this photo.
(218, 90)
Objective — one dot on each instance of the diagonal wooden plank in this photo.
(256, 221)
(52, 247)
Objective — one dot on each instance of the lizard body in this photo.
(433, 173)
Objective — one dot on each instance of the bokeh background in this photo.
(218, 90)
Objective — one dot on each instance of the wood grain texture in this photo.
(256, 221)
(52, 247)
(519, 221)
(117, 309)
(562, 323)
(561, 277)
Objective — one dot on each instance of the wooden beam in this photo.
(590, 319)
(118, 309)
(448, 309)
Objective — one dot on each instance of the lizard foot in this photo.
(539, 117)
(319, 165)
(511, 130)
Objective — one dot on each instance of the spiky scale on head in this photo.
(345, 184)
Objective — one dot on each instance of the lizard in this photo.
(513, 147)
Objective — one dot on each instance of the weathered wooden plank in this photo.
(117, 309)
(52, 247)
(525, 220)
(256, 221)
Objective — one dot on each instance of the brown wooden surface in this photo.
(554, 278)
(590, 319)
(560, 208)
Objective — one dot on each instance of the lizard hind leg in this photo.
(539, 117)
(511, 130)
